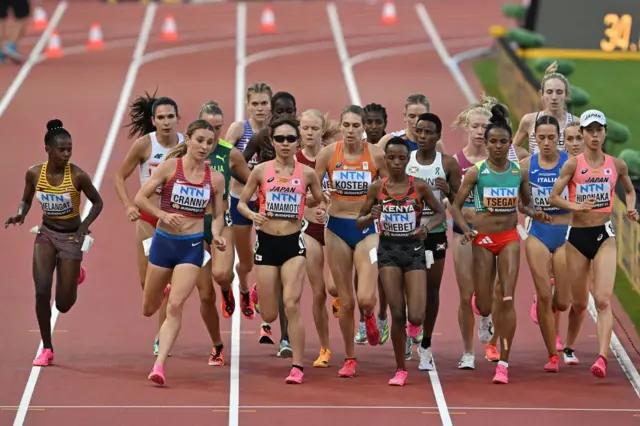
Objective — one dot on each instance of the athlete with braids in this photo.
(226, 160)
(188, 188)
(554, 92)
(414, 106)
(441, 174)
(591, 178)
(57, 184)
(397, 203)
(544, 246)
(283, 106)
(154, 122)
(258, 103)
(280, 250)
(375, 124)
(313, 129)
(352, 165)
(497, 183)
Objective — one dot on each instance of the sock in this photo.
(299, 367)
(505, 364)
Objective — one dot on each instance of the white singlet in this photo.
(513, 155)
(429, 174)
(533, 144)
(157, 156)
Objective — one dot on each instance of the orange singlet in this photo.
(351, 180)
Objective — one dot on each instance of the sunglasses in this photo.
(288, 138)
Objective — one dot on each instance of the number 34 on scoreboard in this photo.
(617, 35)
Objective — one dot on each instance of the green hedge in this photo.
(565, 67)
(525, 38)
(515, 11)
(617, 132)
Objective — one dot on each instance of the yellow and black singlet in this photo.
(58, 202)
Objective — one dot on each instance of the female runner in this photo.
(397, 203)
(352, 166)
(260, 146)
(554, 92)
(441, 173)
(280, 246)
(375, 127)
(154, 121)
(57, 185)
(238, 135)
(496, 182)
(591, 178)
(313, 127)
(544, 246)
(189, 186)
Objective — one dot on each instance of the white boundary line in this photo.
(98, 177)
(616, 347)
(241, 53)
(34, 55)
(347, 70)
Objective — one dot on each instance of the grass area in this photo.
(614, 99)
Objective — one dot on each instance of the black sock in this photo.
(299, 367)
(426, 342)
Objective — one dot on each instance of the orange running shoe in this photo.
(491, 353)
(217, 357)
(227, 302)
(246, 305)
(335, 307)
(323, 358)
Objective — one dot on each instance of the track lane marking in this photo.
(98, 177)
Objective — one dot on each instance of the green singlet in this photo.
(219, 159)
(497, 192)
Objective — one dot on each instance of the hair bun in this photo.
(54, 124)
(499, 114)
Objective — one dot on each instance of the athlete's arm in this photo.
(85, 185)
(217, 181)
(322, 161)
(382, 143)
(234, 132)
(525, 196)
(523, 130)
(159, 177)
(524, 170)
(249, 189)
(313, 184)
(134, 158)
(521, 153)
(469, 181)
(377, 154)
(629, 190)
(427, 196)
(566, 173)
(370, 209)
(253, 146)
(239, 169)
(27, 197)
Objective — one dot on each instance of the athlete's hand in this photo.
(321, 215)
(220, 243)
(469, 236)
(14, 220)
(133, 213)
(633, 215)
(376, 211)
(172, 219)
(443, 186)
(541, 216)
(586, 205)
(83, 230)
(327, 195)
(259, 219)
(421, 233)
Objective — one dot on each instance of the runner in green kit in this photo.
(497, 184)
(442, 173)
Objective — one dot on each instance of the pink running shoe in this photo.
(44, 359)
(552, 364)
(295, 377)
(534, 310)
(599, 368)
(253, 294)
(399, 379)
(559, 346)
(413, 331)
(502, 375)
(82, 276)
(373, 333)
(349, 369)
(157, 375)
(473, 305)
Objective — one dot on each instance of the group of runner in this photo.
(347, 193)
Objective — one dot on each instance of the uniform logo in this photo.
(339, 165)
(584, 171)
(270, 179)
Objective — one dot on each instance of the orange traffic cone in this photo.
(389, 16)
(54, 48)
(169, 29)
(267, 21)
(95, 41)
(39, 22)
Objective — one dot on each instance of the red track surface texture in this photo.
(103, 346)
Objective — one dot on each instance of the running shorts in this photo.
(346, 229)
(21, 8)
(276, 250)
(314, 230)
(552, 236)
(168, 250)
(496, 242)
(438, 244)
(236, 217)
(64, 243)
(588, 240)
(408, 256)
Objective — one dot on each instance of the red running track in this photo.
(103, 346)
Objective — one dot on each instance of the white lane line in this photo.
(241, 53)
(32, 60)
(616, 347)
(343, 53)
(98, 177)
